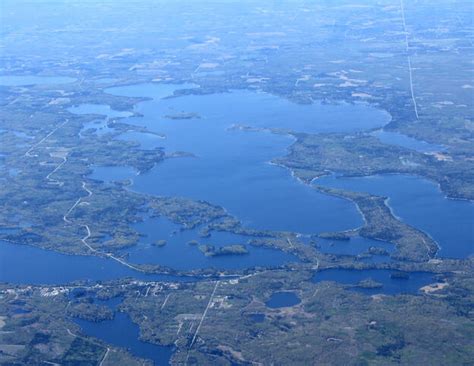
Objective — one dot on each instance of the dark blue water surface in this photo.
(420, 203)
(252, 108)
(22, 264)
(395, 138)
(232, 164)
(231, 167)
(21, 311)
(283, 299)
(354, 246)
(122, 332)
(99, 127)
(391, 286)
(179, 254)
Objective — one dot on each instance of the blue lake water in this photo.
(354, 246)
(21, 311)
(20, 80)
(282, 299)
(395, 138)
(245, 107)
(420, 203)
(99, 127)
(375, 258)
(49, 267)
(232, 169)
(391, 286)
(179, 254)
(122, 332)
(274, 200)
(151, 90)
(231, 164)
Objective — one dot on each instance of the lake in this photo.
(98, 127)
(178, 253)
(122, 332)
(390, 285)
(354, 246)
(231, 167)
(282, 299)
(395, 138)
(49, 267)
(420, 203)
(231, 164)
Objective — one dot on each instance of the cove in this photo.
(181, 249)
(391, 285)
(22, 264)
(98, 127)
(398, 139)
(231, 167)
(256, 109)
(354, 246)
(122, 332)
(420, 203)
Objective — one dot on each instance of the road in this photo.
(28, 153)
(410, 71)
(204, 314)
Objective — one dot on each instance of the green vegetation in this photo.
(313, 156)
(380, 224)
(369, 283)
(159, 243)
(212, 251)
(90, 312)
(183, 115)
(42, 331)
(331, 52)
(332, 323)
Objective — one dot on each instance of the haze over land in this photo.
(236, 182)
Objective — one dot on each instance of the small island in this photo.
(378, 251)
(343, 235)
(183, 115)
(211, 251)
(159, 243)
(369, 284)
